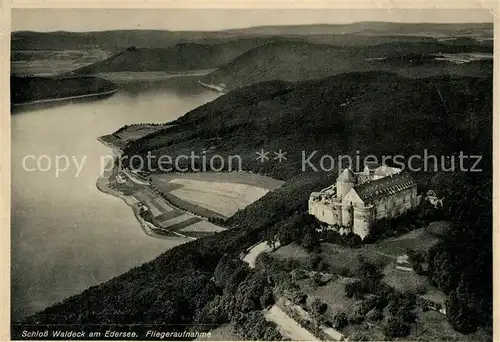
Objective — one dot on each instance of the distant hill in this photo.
(179, 57)
(294, 61)
(374, 28)
(121, 39)
(112, 40)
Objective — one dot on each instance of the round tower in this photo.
(363, 220)
(347, 215)
(345, 182)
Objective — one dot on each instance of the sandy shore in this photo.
(118, 76)
(68, 98)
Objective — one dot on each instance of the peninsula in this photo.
(45, 90)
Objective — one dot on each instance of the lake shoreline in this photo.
(102, 234)
(214, 87)
(103, 185)
(68, 98)
(178, 204)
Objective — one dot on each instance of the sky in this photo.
(81, 20)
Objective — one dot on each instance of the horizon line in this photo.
(268, 26)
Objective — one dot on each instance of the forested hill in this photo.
(28, 89)
(121, 39)
(371, 112)
(178, 57)
(296, 60)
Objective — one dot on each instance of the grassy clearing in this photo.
(247, 178)
(222, 198)
(418, 239)
(213, 194)
(339, 258)
(405, 281)
(292, 251)
(203, 226)
(433, 326)
(332, 294)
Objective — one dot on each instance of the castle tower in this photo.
(363, 219)
(345, 182)
(347, 215)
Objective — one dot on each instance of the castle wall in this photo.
(350, 212)
(328, 213)
(363, 219)
(395, 204)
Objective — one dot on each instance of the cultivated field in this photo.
(51, 63)
(212, 193)
(158, 211)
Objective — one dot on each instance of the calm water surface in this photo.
(66, 235)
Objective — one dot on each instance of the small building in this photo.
(357, 200)
(403, 263)
(433, 199)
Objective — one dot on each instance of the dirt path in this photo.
(288, 326)
(255, 251)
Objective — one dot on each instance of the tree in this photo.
(309, 241)
(267, 298)
(253, 326)
(230, 272)
(318, 307)
(396, 328)
(400, 302)
(339, 320)
(317, 278)
(316, 262)
(375, 315)
(354, 289)
(459, 315)
(216, 312)
(252, 293)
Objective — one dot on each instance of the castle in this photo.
(358, 199)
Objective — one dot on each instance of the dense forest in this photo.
(179, 57)
(202, 282)
(369, 113)
(27, 89)
(290, 60)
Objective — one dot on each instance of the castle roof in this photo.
(347, 176)
(384, 186)
(372, 165)
(385, 170)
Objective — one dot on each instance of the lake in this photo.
(66, 235)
